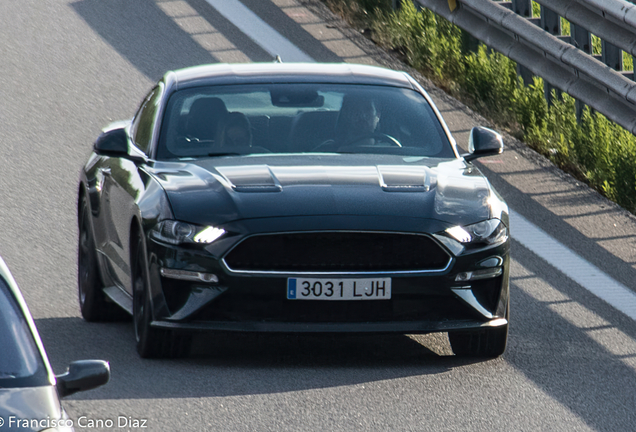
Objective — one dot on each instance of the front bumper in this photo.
(420, 303)
(404, 327)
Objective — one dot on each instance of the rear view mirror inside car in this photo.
(283, 96)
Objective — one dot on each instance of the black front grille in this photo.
(337, 252)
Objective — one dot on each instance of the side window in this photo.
(144, 121)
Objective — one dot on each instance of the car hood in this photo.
(29, 403)
(219, 190)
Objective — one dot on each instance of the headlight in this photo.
(490, 232)
(175, 232)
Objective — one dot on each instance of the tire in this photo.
(487, 343)
(151, 342)
(94, 305)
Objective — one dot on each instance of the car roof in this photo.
(246, 73)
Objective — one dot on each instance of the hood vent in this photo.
(404, 178)
(251, 178)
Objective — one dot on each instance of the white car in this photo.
(30, 393)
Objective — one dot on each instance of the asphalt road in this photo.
(67, 68)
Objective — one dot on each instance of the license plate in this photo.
(339, 289)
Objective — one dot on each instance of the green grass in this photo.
(536, 9)
(594, 150)
(565, 27)
(596, 45)
(628, 62)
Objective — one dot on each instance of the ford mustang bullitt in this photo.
(325, 198)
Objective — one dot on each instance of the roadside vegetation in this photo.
(594, 149)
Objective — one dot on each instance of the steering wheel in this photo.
(378, 135)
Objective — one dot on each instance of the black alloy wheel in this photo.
(94, 304)
(486, 343)
(151, 342)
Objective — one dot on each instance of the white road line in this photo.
(572, 265)
(532, 237)
(259, 31)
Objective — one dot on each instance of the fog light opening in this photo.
(189, 275)
(479, 274)
(464, 276)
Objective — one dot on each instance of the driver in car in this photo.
(357, 121)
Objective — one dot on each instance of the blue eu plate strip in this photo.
(291, 288)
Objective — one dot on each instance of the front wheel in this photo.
(93, 303)
(151, 342)
(489, 343)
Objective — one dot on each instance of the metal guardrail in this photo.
(614, 21)
(556, 58)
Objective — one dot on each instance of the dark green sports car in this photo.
(292, 198)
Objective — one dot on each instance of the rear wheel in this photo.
(94, 304)
(151, 342)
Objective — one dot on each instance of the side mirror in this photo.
(483, 142)
(83, 375)
(112, 142)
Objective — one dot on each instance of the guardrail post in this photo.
(582, 39)
(551, 23)
(612, 56)
(523, 8)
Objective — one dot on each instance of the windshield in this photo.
(20, 360)
(300, 118)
